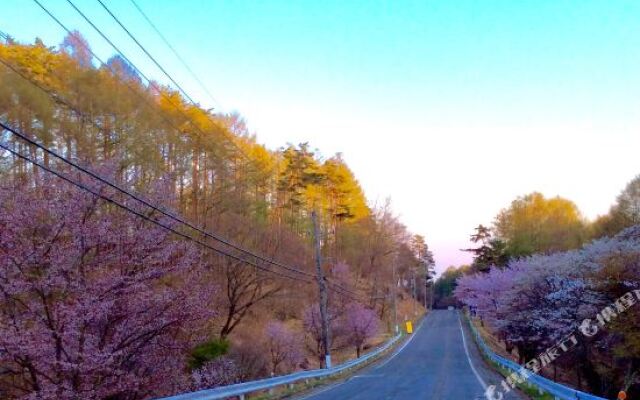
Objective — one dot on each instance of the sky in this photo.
(451, 108)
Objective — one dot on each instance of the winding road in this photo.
(440, 361)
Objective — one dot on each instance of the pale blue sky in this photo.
(452, 108)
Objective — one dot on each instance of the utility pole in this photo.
(413, 292)
(426, 285)
(428, 279)
(394, 294)
(322, 288)
(433, 287)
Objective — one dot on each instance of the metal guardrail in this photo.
(240, 389)
(546, 385)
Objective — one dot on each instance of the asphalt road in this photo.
(435, 364)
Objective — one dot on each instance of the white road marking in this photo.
(310, 395)
(401, 347)
(368, 376)
(322, 390)
(464, 343)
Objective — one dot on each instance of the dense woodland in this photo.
(100, 298)
(541, 270)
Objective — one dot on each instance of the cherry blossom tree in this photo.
(341, 272)
(218, 372)
(77, 47)
(538, 300)
(313, 328)
(360, 324)
(285, 347)
(94, 302)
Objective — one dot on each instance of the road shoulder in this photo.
(487, 374)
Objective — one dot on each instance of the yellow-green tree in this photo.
(535, 224)
(623, 214)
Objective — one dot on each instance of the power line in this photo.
(175, 52)
(146, 203)
(103, 36)
(148, 55)
(149, 81)
(137, 42)
(145, 51)
(140, 215)
(342, 290)
(126, 83)
(113, 71)
(333, 286)
(153, 221)
(56, 98)
(60, 100)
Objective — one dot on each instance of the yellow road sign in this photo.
(409, 327)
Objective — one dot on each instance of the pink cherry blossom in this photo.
(360, 324)
(94, 302)
(284, 346)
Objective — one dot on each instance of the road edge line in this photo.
(313, 392)
(466, 350)
(405, 344)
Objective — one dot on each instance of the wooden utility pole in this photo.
(426, 280)
(322, 288)
(426, 285)
(433, 288)
(394, 294)
(413, 293)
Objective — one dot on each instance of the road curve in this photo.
(438, 363)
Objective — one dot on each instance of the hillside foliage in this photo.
(97, 303)
(535, 302)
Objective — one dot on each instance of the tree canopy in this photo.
(535, 224)
(623, 214)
